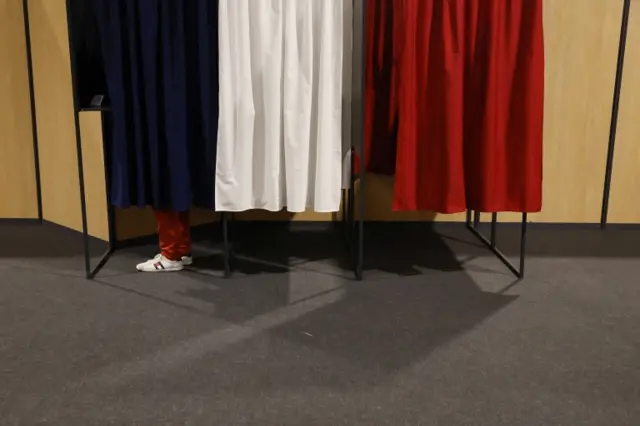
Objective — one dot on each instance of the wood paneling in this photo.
(94, 175)
(581, 44)
(54, 106)
(56, 127)
(18, 196)
(624, 204)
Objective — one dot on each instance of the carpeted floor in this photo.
(439, 333)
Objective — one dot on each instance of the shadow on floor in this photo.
(560, 240)
(35, 240)
(356, 336)
(31, 240)
(401, 250)
(421, 300)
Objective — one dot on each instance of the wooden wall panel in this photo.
(18, 195)
(94, 175)
(624, 204)
(54, 106)
(581, 44)
(56, 127)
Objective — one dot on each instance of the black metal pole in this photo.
(78, 136)
(32, 102)
(351, 195)
(344, 207)
(494, 229)
(111, 215)
(353, 228)
(361, 200)
(226, 245)
(523, 244)
(361, 186)
(614, 113)
(491, 244)
(347, 214)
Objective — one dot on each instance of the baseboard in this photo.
(325, 224)
(567, 225)
(212, 230)
(20, 221)
(421, 226)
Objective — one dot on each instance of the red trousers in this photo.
(174, 232)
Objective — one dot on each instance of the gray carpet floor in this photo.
(439, 333)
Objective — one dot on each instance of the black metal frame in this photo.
(360, 229)
(357, 233)
(352, 228)
(492, 242)
(97, 104)
(347, 223)
(617, 88)
(353, 198)
(227, 246)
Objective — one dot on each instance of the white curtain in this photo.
(280, 137)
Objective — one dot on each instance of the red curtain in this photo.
(381, 115)
(466, 88)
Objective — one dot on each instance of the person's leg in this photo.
(185, 250)
(174, 232)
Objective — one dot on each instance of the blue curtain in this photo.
(161, 66)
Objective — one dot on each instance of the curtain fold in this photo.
(280, 128)
(161, 69)
(466, 80)
(381, 85)
(89, 73)
(430, 162)
(504, 150)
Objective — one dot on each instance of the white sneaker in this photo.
(161, 264)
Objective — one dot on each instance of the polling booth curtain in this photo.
(161, 68)
(85, 44)
(465, 81)
(281, 89)
(381, 86)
